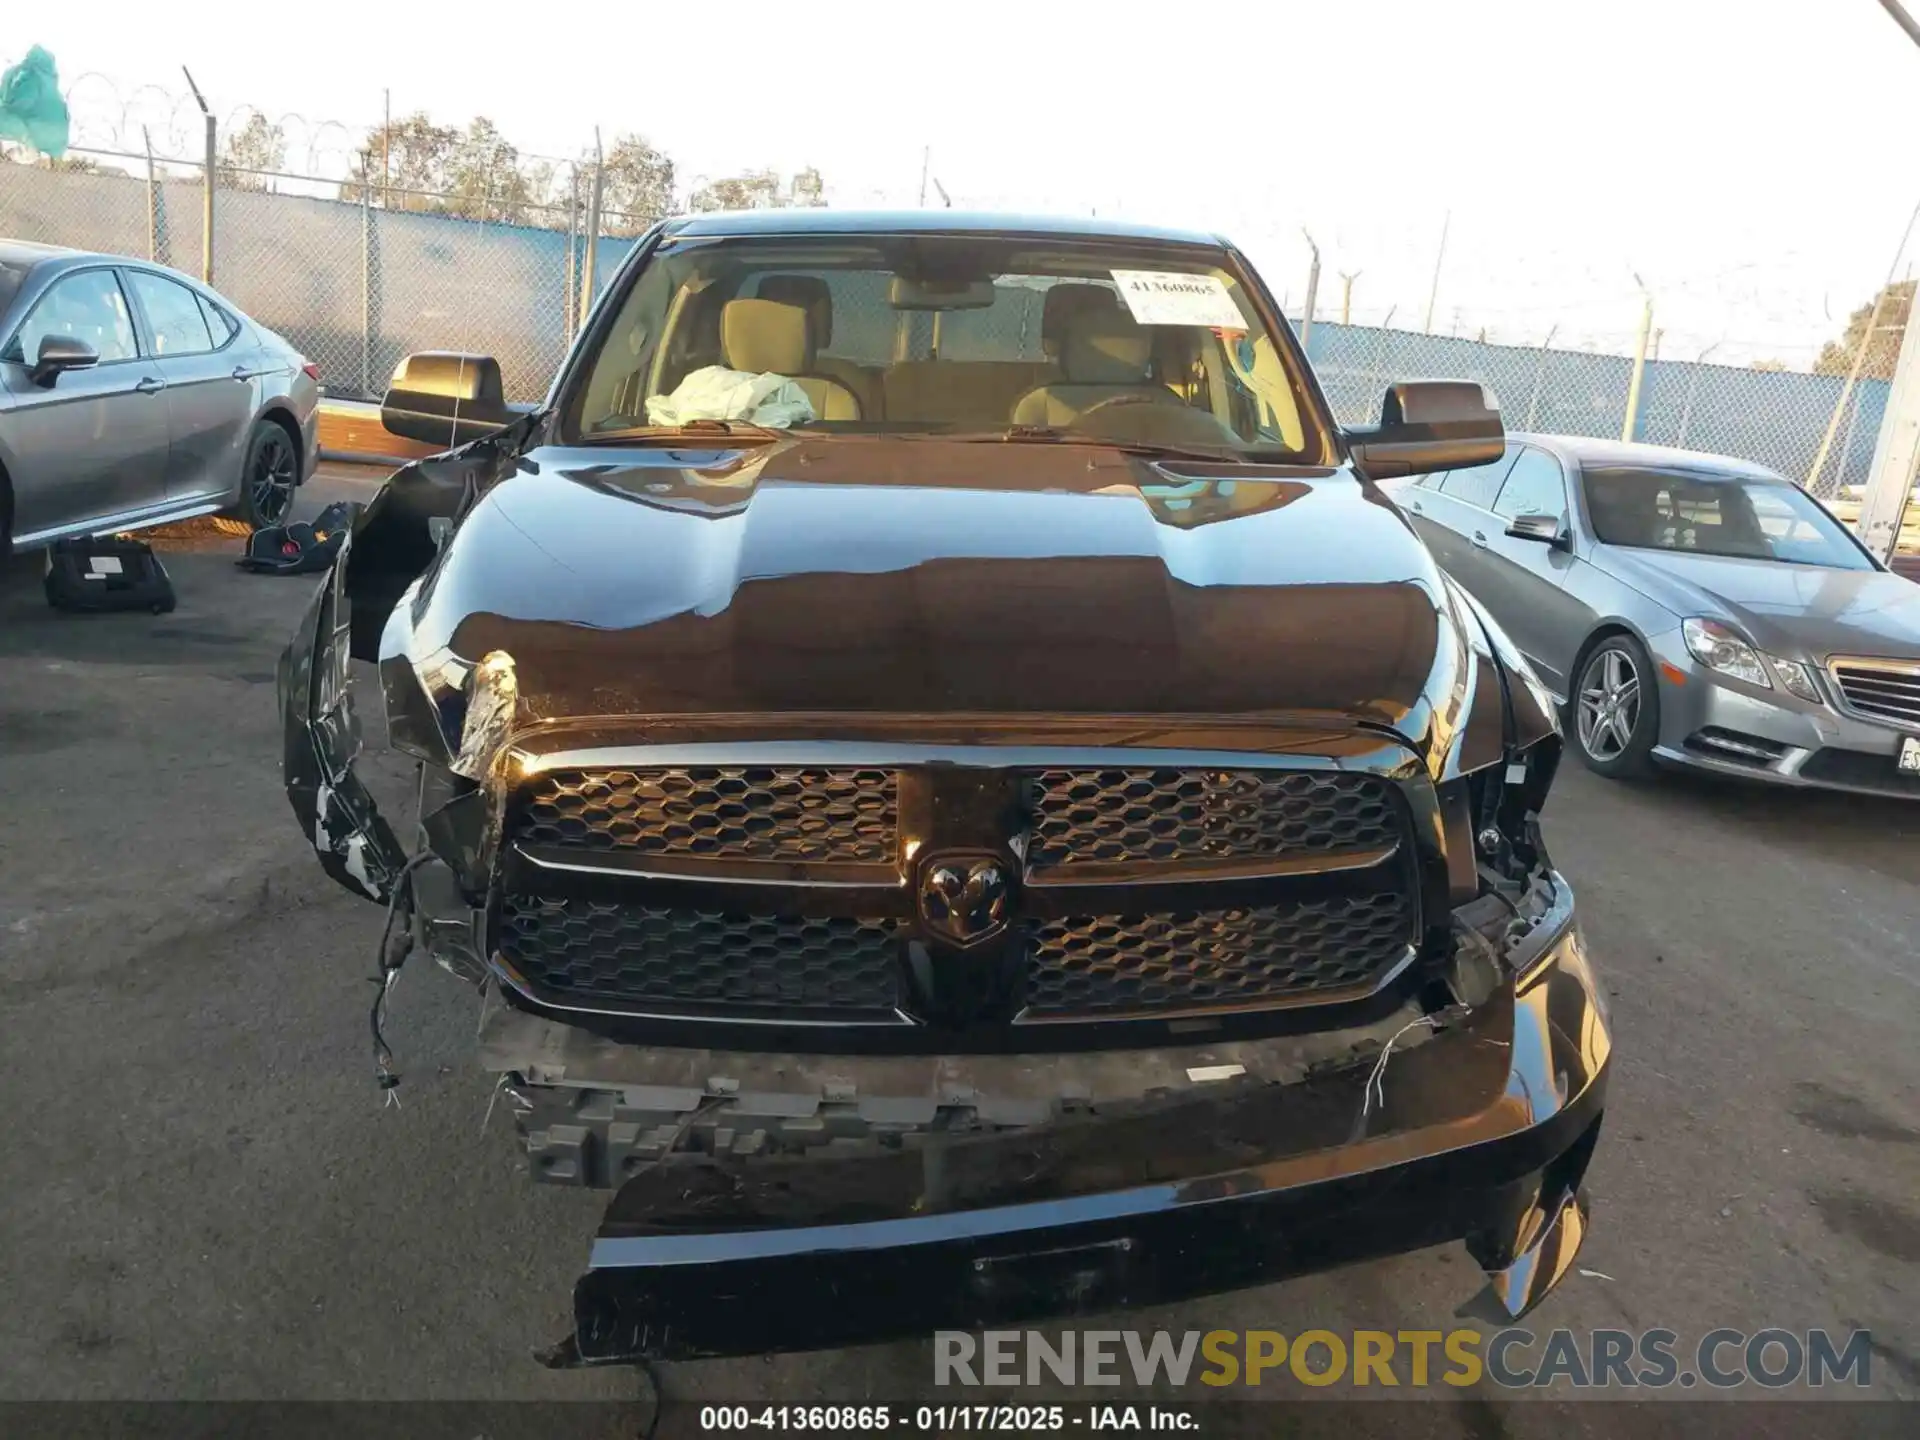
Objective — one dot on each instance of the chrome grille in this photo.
(574, 951)
(1880, 689)
(1113, 965)
(1169, 816)
(715, 812)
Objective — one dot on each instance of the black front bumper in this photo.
(1481, 1134)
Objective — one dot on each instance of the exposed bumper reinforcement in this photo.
(1482, 1134)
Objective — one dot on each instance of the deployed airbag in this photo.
(717, 393)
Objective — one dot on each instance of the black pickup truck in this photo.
(960, 797)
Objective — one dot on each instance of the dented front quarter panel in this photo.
(391, 542)
(356, 845)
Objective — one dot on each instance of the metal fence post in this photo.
(1693, 387)
(1846, 446)
(153, 201)
(593, 227)
(209, 179)
(1896, 452)
(1313, 292)
(1539, 375)
(571, 308)
(366, 285)
(1632, 421)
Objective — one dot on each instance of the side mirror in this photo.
(59, 354)
(1544, 528)
(1428, 425)
(442, 398)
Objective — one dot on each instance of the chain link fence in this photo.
(356, 273)
(1775, 418)
(358, 265)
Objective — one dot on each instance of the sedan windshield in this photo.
(990, 337)
(1714, 513)
(12, 273)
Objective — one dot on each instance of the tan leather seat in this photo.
(1103, 355)
(766, 336)
(971, 394)
(1066, 302)
(810, 292)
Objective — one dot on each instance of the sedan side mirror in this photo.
(442, 398)
(59, 354)
(1544, 528)
(1428, 425)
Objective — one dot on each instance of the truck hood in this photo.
(936, 577)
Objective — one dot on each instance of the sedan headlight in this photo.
(1794, 678)
(1720, 648)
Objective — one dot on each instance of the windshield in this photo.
(1711, 513)
(1149, 345)
(11, 274)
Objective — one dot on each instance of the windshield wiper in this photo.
(1055, 435)
(693, 428)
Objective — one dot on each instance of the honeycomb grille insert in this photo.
(716, 812)
(1169, 816)
(574, 951)
(1115, 965)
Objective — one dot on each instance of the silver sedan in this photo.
(1688, 609)
(132, 396)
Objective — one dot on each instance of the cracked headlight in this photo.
(493, 699)
(1720, 648)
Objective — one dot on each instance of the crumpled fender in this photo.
(390, 543)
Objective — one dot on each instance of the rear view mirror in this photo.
(1428, 425)
(59, 354)
(442, 398)
(1544, 528)
(937, 294)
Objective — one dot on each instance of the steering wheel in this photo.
(1114, 402)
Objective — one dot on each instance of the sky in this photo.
(1741, 159)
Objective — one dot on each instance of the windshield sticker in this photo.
(1159, 298)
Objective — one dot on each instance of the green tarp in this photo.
(31, 107)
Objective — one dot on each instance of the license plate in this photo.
(1910, 755)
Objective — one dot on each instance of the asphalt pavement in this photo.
(202, 1195)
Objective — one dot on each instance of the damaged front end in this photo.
(390, 545)
(1022, 1170)
(965, 1191)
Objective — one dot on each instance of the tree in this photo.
(257, 145)
(760, 190)
(636, 185)
(414, 164)
(755, 190)
(1773, 367)
(808, 189)
(409, 155)
(484, 180)
(1836, 356)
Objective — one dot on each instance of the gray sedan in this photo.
(132, 396)
(1689, 609)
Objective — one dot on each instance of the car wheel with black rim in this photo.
(1616, 709)
(268, 478)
